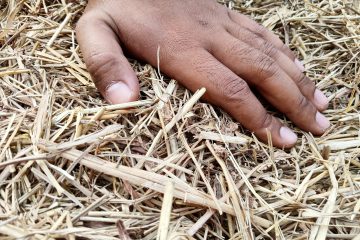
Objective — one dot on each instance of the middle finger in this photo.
(263, 72)
(305, 85)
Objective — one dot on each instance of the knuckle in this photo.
(266, 67)
(227, 86)
(302, 81)
(235, 89)
(254, 40)
(261, 30)
(301, 104)
(269, 49)
(285, 49)
(100, 64)
(239, 33)
(299, 107)
(238, 49)
(266, 121)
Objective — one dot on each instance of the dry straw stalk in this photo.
(169, 166)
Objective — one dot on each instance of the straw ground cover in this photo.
(170, 166)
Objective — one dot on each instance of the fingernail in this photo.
(320, 98)
(300, 65)
(322, 121)
(288, 136)
(118, 93)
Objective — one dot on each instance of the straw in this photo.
(171, 166)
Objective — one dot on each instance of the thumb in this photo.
(109, 68)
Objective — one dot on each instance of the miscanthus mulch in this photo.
(170, 166)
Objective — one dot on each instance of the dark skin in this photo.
(202, 44)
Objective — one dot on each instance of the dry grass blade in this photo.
(74, 167)
(166, 212)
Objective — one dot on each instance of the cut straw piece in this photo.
(355, 238)
(143, 178)
(200, 223)
(14, 72)
(319, 231)
(69, 225)
(356, 209)
(57, 224)
(113, 107)
(181, 113)
(8, 130)
(51, 177)
(7, 144)
(198, 168)
(92, 206)
(88, 139)
(234, 193)
(164, 221)
(63, 191)
(166, 95)
(79, 77)
(341, 145)
(68, 62)
(58, 30)
(63, 128)
(222, 138)
(300, 191)
(162, 163)
(12, 231)
(185, 109)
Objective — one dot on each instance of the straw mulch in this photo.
(170, 166)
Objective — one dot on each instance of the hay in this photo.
(169, 166)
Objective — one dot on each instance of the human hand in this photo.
(202, 44)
